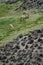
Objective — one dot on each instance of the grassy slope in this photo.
(7, 16)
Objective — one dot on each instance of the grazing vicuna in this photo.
(11, 27)
(23, 17)
(25, 12)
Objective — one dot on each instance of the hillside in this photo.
(21, 32)
(11, 14)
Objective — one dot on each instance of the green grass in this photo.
(8, 9)
(9, 16)
(18, 24)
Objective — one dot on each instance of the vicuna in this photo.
(11, 26)
(25, 12)
(23, 17)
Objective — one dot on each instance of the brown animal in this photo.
(23, 17)
(11, 26)
(25, 12)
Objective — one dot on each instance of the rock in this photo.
(26, 49)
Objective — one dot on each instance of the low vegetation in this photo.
(11, 21)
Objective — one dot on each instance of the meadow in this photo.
(9, 16)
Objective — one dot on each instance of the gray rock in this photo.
(24, 50)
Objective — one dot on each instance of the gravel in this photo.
(24, 50)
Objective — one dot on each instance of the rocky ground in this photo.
(24, 50)
(27, 4)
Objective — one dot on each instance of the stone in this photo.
(23, 50)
